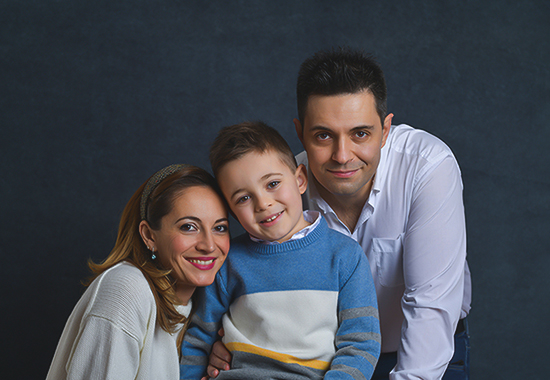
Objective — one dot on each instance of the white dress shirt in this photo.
(412, 229)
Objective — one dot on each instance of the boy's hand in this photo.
(220, 358)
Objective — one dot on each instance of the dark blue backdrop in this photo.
(97, 95)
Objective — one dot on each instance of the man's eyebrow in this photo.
(327, 129)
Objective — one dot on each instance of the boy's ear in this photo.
(301, 178)
(147, 234)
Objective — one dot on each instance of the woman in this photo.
(173, 236)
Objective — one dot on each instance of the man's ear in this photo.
(386, 128)
(147, 234)
(299, 130)
(301, 178)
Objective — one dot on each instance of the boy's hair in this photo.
(340, 71)
(235, 141)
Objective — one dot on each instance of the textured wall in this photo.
(97, 95)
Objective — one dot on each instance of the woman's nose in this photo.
(206, 242)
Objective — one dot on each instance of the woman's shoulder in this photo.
(121, 293)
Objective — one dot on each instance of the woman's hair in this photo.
(160, 193)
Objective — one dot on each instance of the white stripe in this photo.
(301, 323)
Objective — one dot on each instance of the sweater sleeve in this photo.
(112, 332)
(212, 302)
(103, 351)
(357, 339)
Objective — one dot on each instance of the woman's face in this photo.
(193, 239)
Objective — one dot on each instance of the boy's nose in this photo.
(263, 203)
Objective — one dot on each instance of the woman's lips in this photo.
(202, 263)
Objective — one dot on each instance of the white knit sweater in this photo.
(112, 332)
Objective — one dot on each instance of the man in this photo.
(398, 192)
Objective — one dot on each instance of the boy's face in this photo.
(265, 195)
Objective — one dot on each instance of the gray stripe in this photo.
(247, 366)
(196, 342)
(207, 326)
(358, 312)
(353, 372)
(358, 337)
(354, 351)
(194, 360)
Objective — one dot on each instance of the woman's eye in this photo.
(222, 228)
(188, 227)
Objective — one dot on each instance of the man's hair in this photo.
(340, 71)
(235, 141)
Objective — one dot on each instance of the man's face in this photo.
(343, 137)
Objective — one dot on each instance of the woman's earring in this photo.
(153, 256)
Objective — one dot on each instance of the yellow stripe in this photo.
(284, 358)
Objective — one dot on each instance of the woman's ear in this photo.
(301, 178)
(147, 234)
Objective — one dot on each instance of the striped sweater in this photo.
(303, 309)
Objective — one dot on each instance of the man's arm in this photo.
(434, 253)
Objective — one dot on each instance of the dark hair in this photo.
(235, 141)
(130, 247)
(340, 71)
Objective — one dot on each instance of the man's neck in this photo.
(348, 208)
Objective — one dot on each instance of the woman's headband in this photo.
(153, 182)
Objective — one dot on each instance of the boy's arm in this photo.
(211, 304)
(358, 339)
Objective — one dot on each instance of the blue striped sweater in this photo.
(303, 309)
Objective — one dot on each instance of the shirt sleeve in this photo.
(212, 303)
(358, 336)
(434, 254)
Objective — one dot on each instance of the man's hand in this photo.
(220, 358)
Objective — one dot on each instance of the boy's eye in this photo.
(243, 199)
(273, 184)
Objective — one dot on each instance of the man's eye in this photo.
(361, 134)
(323, 136)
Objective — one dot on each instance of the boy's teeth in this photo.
(200, 262)
(272, 218)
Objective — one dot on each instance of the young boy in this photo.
(295, 298)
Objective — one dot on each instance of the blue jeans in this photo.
(459, 366)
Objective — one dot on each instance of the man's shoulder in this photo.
(411, 141)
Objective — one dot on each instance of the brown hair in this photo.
(235, 141)
(130, 247)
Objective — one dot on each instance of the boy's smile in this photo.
(265, 195)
